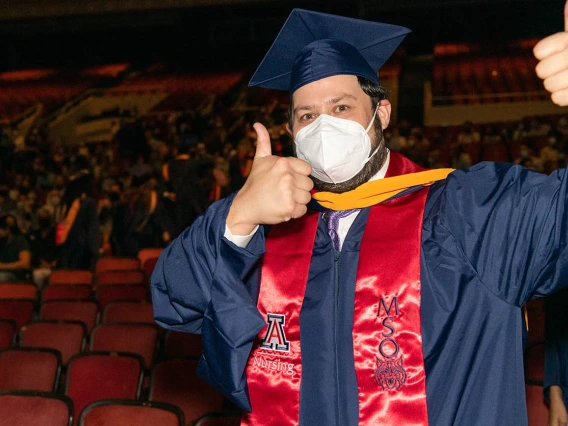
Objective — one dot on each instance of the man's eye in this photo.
(306, 117)
(341, 108)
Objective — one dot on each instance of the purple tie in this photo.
(332, 220)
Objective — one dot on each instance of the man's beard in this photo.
(370, 169)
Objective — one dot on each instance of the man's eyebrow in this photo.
(331, 101)
(340, 98)
(304, 108)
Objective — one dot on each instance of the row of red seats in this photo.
(76, 343)
(25, 408)
(97, 376)
(125, 326)
(487, 75)
(115, 279)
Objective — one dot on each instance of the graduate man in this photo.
(389, 296)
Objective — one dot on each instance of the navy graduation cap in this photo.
(313, 45)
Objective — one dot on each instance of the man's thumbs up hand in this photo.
(552, 52)
(263, 147)
(276, 190)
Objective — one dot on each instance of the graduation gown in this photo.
(493, 237)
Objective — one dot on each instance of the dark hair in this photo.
(376, 92)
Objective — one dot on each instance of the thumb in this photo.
(263, 147)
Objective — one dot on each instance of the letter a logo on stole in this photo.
(275, 338)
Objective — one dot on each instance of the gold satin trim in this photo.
(377, 191)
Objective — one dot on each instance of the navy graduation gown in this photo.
(493, 237)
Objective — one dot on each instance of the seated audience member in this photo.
(556, 358)
(44, 250)
(15, 256)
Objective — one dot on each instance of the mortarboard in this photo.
(314, 45)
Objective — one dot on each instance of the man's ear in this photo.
(384, 112)
(289, 130)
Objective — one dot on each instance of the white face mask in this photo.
(336, 148)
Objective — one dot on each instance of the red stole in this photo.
(386, 332)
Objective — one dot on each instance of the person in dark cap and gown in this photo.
(349, 286)
(78, 233)
(142, 221)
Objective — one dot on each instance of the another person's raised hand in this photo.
(557, 415)
(552, 52)
(276, 190)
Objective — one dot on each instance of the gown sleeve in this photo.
(511, 225)
(202, 284)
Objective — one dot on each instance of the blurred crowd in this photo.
(63, 206)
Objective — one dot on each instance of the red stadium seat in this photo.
(23, 291)
(117, 264)
(139, 312)
(148, 253)
(25, 408)
(116, 293)
(66, 292)
(140, 339)
(66, 337)
(148, 267)
(119, 278)
(130, 413)
(19, 311)
(71, 310)
(71, 277)
(534, 364)
(29, 369)
(7, 333)
(179, 344)
(175, 382)
(93, 377)
(220, 418)
(537, 410)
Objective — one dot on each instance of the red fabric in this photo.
(286, 264)
(22, 291)
(7, 332)
(140, 339)
(182, 344)
(84, 311)
(114, 293)
(26, 410)
(94, 377)
(387, 336)
(60, 234)
(66, 292)
(117, 264)
(21, 369)
(129, 415)
(68, 338)
(280, 371)
(71, 276)
(175, 382)
(119, 277)
(19, 311)
(131, 312)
